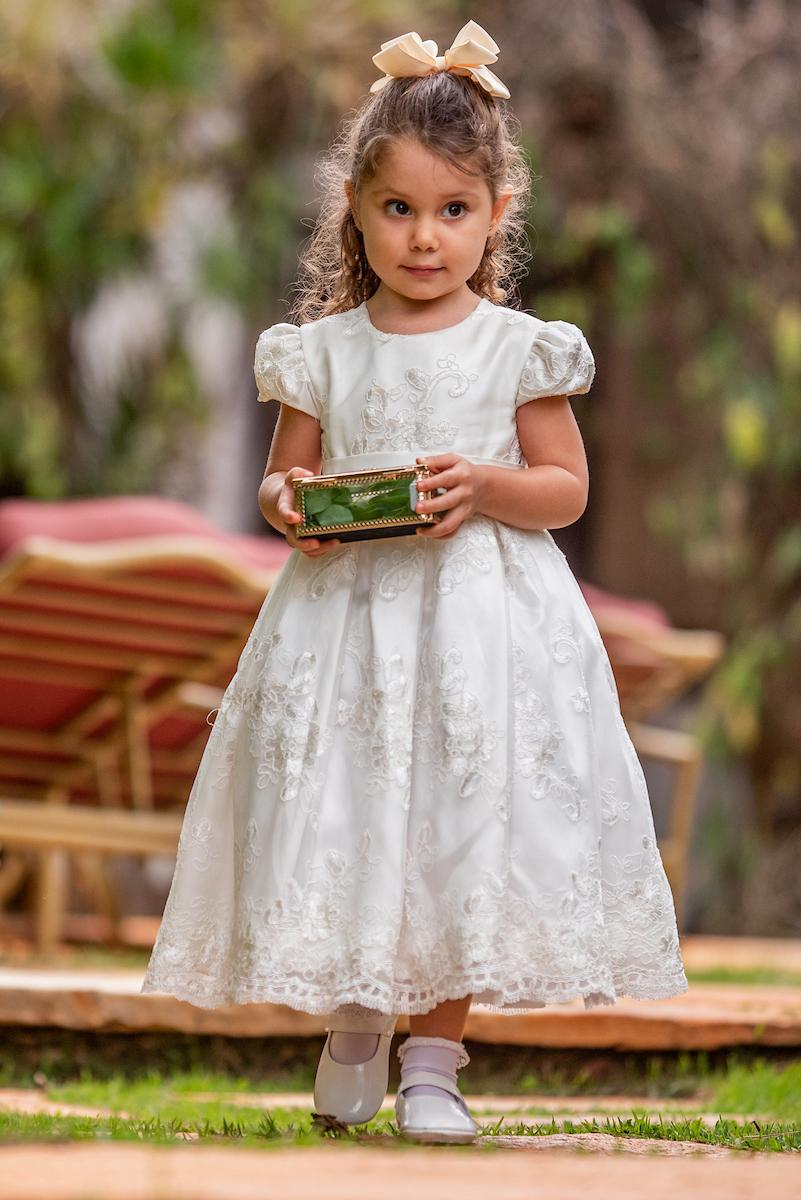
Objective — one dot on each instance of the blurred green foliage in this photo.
(718, 370)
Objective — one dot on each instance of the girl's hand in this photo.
(462, 479)
(312, 547)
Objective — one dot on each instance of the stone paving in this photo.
(589, 1170)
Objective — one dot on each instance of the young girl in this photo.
(419, 791)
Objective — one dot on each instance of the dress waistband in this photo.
(399, 458)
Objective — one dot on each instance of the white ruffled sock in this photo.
(440, 1055)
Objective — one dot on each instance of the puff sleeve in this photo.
(281, 371)
(559, 363)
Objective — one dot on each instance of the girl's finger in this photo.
(437, 462)
(453, 497)
(437, 531)
(450, 478)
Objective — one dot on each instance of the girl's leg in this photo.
(435, 1043)
(447, 1020)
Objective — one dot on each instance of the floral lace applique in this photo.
(564, 636)
(421, 855)
(515, 555)
(248, 848)
(538, 742)
(472, 549)
(453, 732)
(279, 706)
(386, 424)
(317, 578)
(559, 363)
(199, 844)
(394, 571)
(602, 937)
(613, 807)
(378, 720)
(281, 372)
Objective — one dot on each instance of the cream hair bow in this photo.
(471, 50)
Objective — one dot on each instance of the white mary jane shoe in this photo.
(426, 1118)
(351, 1093)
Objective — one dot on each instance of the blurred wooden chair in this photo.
(121, 621)
(655, 664)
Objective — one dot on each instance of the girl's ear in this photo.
(498, 208)
(351, 195)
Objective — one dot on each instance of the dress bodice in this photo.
(383, 398)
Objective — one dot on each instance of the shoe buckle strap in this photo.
(417, 1075)
(382, 1024)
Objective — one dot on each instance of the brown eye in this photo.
(456, 204)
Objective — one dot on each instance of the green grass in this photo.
(769, 976)
(76, 956)
(761, 1089)
(162, 1110)
(284, 1127)
(757, 1087)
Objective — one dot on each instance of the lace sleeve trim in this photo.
(281, 371)
(559, 363)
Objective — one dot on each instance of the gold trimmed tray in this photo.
(355, 505)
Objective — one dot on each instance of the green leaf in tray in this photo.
(335, 514)
(387, 506)
(340, 495)
(316, 499)
(389, 498)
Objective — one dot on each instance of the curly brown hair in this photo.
(449, 115)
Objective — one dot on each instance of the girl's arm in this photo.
(552, 491)
(547, 494)
(294, 451)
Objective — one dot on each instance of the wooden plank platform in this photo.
(708, 1016)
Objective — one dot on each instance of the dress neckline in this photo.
(385, 334)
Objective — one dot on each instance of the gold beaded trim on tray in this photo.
(378, 502)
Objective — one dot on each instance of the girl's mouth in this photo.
(423, 271)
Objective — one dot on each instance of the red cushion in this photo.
(115, 518)
(34, 704)
(645, 611)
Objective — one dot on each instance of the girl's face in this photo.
(425, 224)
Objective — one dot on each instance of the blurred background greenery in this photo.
(157, 179)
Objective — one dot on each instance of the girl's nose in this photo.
(424, 235)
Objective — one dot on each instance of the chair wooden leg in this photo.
(91, 869)
(685, 789)
(138, 748)
(51, 887)
(93, 872)
(51, 892)
(14, 869)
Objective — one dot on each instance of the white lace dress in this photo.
(419, 784)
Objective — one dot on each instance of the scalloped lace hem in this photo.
(501, 999)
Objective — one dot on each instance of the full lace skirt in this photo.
(419, 785)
